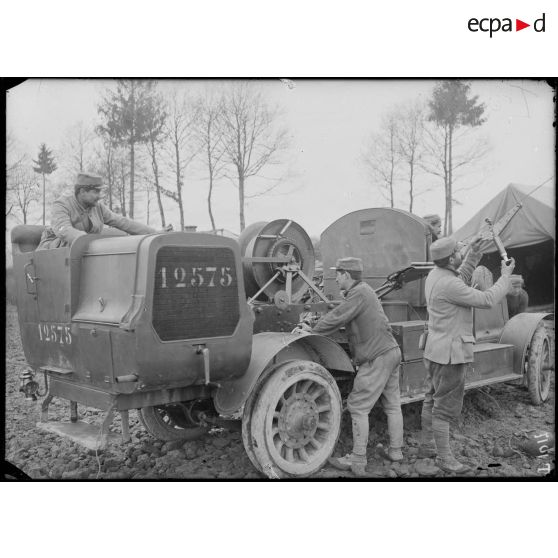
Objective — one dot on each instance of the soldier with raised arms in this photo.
(83, 213)
(449, 347)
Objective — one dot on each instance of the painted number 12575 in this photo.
(55, 333)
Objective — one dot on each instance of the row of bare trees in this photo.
(148, 138)
(230, 131)
(433, 138)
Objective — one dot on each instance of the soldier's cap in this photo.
(348, 264)
(442, 248)
(433, 219)
(89, 180)
(516, 280)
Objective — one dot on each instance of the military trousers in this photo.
(379, 379)
(445, 389)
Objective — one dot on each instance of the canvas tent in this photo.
(529, 238)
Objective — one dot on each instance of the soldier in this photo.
(517, 298)
(449, 346)
(378, 357)
(82, 213)
(435, 223)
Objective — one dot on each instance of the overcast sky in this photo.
(329, 122)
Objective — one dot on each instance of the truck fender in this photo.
(518, 332)
(270, 349)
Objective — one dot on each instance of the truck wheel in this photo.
(168, 423)
(539, 366)
(295, 420)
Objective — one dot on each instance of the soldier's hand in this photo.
(507, 268)
(475, 243)
(301, 327)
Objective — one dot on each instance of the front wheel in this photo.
(539, 366)
(294, 420)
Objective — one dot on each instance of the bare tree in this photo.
(381, 158)
(251, 135)
(409, 139)
(156, 116)
(77, 148)
(24, 190)
(210, 134)
(182, 146)
(14, 158)
(468, 148)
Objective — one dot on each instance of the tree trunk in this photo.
(241, 198)
(148, 202)
(44, 199)
(179, 184)
(123, 192)
(109, 179)
(132, 153)
(155, 167)
(450, 181)
(210, 168)
(446, 182)
(411, 195)
(132, 162)
(209, 203)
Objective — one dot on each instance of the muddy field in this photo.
(490, 436)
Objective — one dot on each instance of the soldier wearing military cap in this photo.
(435, 224)
(517, 297)
(378, 357)
(83, 213)
(449, 346)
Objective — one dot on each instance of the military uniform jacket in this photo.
(367, 325)
(450, 301)
(70, 220)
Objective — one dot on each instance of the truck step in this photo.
(83, 433)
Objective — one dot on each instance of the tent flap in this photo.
(532, 224)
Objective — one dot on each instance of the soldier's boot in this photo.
(395, 430)
(427, 446)
(445, 460)
(350, 462)
(355, 461)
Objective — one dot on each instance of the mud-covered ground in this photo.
(490, 436)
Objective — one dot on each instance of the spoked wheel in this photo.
(171, 422)
(294, 420)
(540, 366)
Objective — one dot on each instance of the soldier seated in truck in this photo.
(517, 297)
(435, 224)
(83, 213)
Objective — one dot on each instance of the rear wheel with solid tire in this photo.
(539, 365)
(292, 423)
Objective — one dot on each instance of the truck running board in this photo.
(83, 433)
(470, 385)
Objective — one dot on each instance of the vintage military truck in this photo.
(191, 329)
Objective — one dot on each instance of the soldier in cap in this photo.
(378, 357)
(449, 346)
(435, 223)
(517, 298)
(83, 213)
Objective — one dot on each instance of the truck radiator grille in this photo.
(196, 293)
